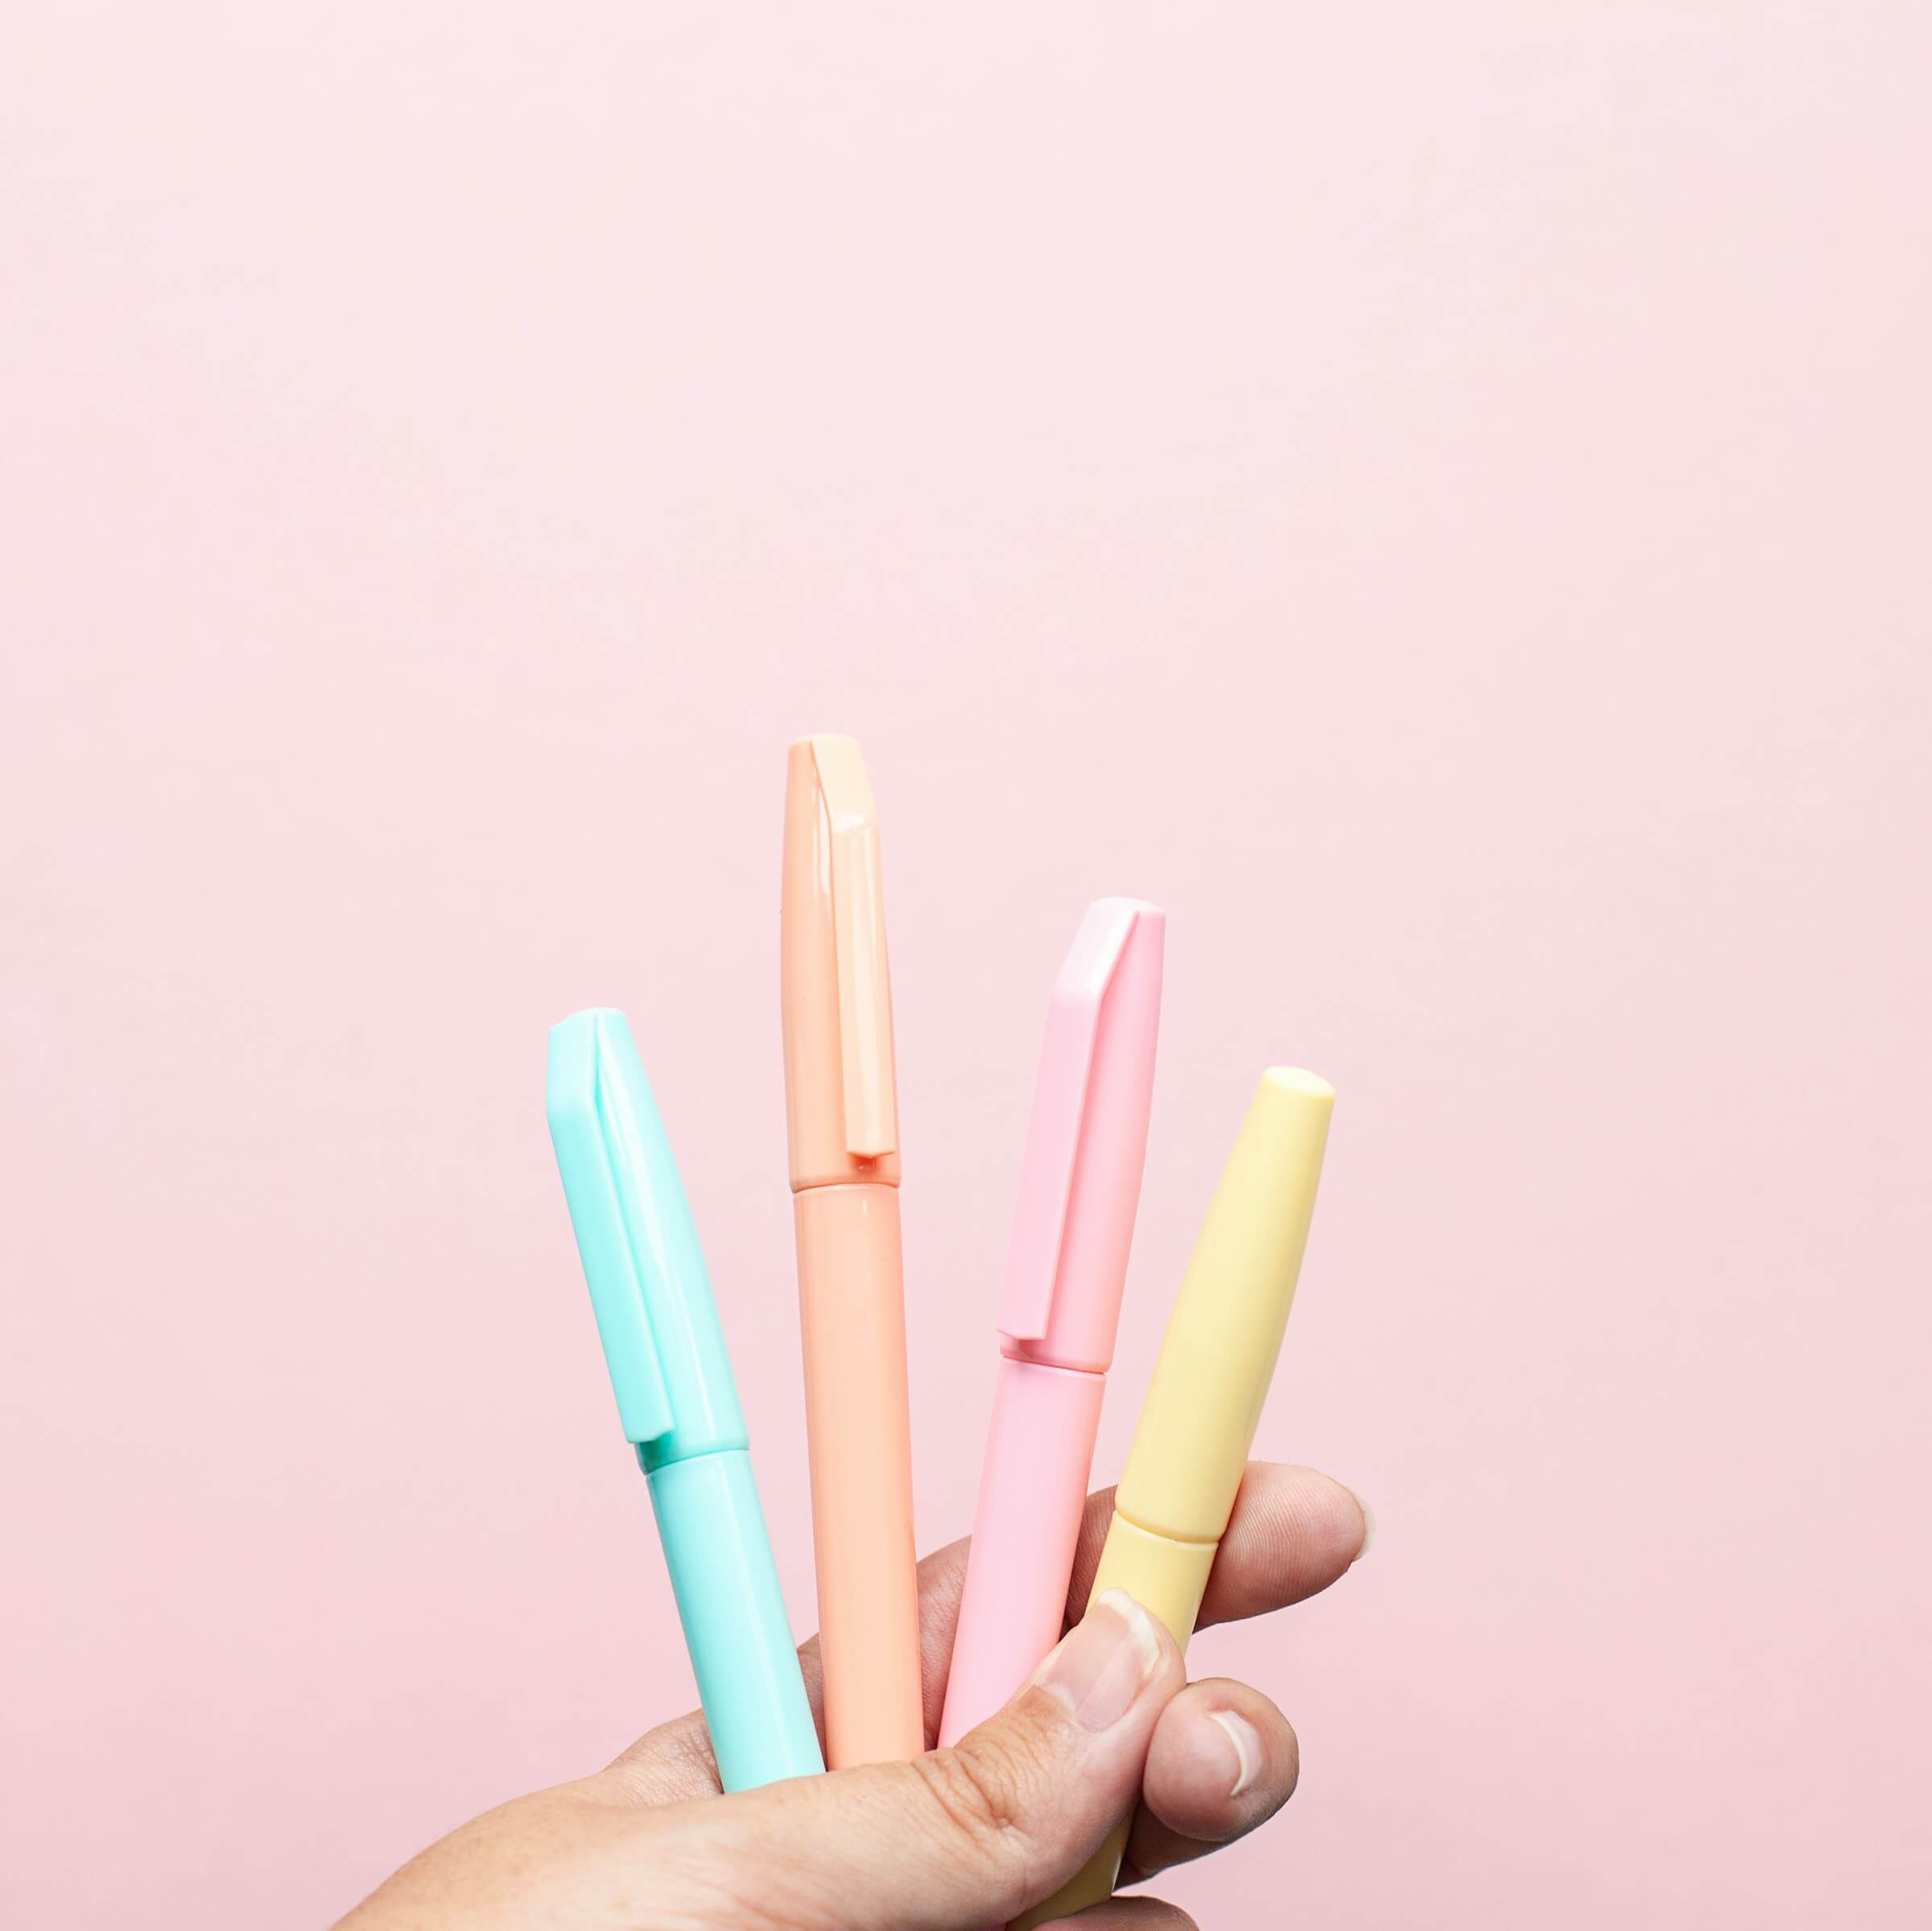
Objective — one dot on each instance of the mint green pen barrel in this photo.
(735, 1624)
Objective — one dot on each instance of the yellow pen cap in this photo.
(1204, 1402)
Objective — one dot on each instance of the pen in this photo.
(1073, 1226)
(842, 1117)
(1198, 1423)
(675, 1396)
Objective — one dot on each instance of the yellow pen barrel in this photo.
(1204, 1403)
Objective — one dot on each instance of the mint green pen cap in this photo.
(649, 1284)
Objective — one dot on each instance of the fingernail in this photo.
(1100, 1668)
(1367, 1523)
(1247, 1743)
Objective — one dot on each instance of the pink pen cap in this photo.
(1080, 1182)
(1073, 1226)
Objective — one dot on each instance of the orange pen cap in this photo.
(840, 1097)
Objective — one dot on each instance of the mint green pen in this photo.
(679, 1404)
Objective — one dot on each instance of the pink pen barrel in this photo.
(1033, 1494)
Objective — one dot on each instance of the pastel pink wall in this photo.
(1435, 497)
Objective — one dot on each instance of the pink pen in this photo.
(1072, 1228)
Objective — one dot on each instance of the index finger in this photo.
(1293, 1531)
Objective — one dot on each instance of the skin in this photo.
(957, 1840)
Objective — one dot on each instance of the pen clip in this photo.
(593, 1122)
(1060, 1111)
(858, 914)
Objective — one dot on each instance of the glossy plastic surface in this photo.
(1217, 1355)
(842, 1119)
(1033, 1493)
(665, 1350)
(715, 1541)
(1087, 1141)
(840, 1098)
(1073, 1229)
(853, 1320)
(648, 1285)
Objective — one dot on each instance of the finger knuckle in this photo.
(979, 1794)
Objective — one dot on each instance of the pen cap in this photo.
(648, 1282)
(840, 1105)
(1087, 1142)
(1218, 1356)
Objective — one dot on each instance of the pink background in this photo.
(1435, 497)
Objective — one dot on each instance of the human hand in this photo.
(956, 1840)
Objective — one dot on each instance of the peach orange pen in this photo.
(842, 1114)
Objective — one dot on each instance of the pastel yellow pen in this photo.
(1197, 1425)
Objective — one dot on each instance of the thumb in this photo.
(961, 1838)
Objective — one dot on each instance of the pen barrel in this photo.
(852, 1322)
(735, 1625)
(1167, 1578)
(1033, 1495)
